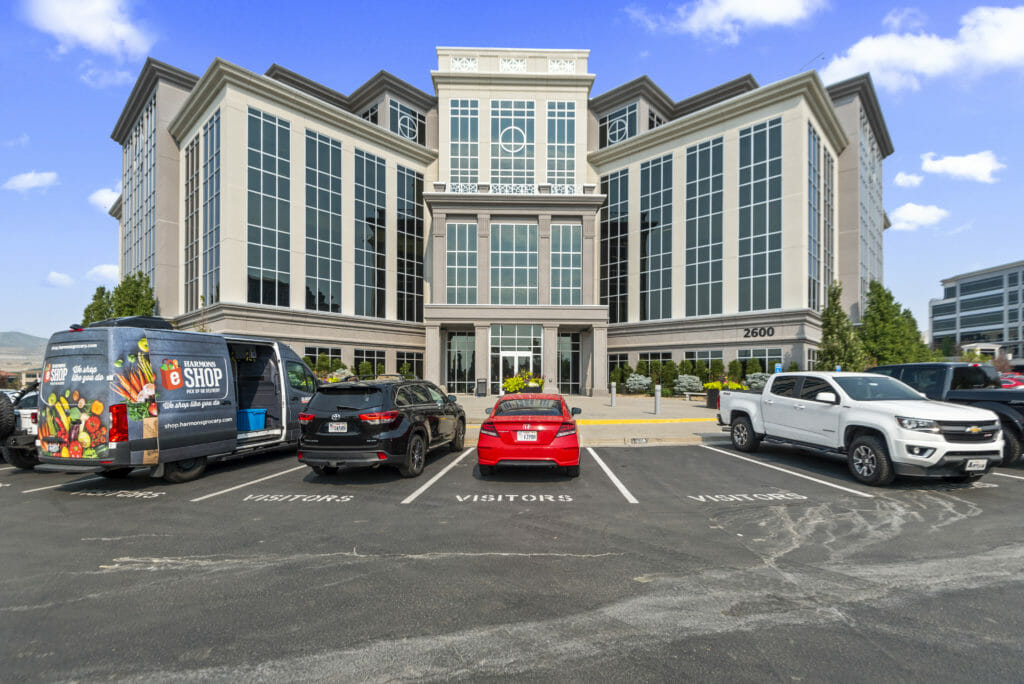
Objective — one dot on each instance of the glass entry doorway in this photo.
(513, 363)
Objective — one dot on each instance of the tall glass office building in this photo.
(980, 308)
(505, 220)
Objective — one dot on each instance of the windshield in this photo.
(876, 388)
(528, 407)
(332, 398)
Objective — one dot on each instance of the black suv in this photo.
(368, 423)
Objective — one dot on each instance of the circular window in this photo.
(617, 130)
(513, 139)
(407, 127)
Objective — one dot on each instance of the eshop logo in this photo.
(170, 374)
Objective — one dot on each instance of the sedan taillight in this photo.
(379, 418)
(566, 430)
(305, 418)
(489, 429)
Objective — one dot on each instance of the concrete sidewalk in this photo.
(631, 422)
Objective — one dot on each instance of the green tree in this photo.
(655, 371)
(735, 370)
(99, 309)
(323, 364)
(669, 373)
(133, 296)
(889, 331)
(717, 369)
(948, 346)
(686, 367)
(840, 345)
(365, 368)
(794, 367)
(753, 366)
(641, 368)
(700, 369)
(380, 369)
(405, 370)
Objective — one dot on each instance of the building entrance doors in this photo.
(513, 363)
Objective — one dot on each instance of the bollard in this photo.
(613, 395)
(657, 400)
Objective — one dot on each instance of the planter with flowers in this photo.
(713, 388)
(524, 381)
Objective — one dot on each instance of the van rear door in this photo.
(195, 395)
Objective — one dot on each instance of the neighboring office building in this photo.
(509, 221)
(980, 307)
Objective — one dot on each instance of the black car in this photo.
(394, 422)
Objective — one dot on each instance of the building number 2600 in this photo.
(759, 332)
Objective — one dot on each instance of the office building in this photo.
(980, 307)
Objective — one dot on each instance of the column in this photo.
(544, 262)
(482, 353)
(549, 358)
(432, 354)
(483, 259)
(439, 283)
(600, 366)
(390, 242)
(590, 266)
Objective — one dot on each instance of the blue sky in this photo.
(948, 75)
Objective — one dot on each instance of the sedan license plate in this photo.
(337, 427)
(527, 436)
(975, 464)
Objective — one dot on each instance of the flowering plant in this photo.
(729, 385)
(516, 383)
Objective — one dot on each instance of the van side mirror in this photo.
(826, 397)
(575, 410)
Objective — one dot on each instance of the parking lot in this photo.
(690, 561)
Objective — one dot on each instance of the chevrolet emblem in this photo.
(974, 429)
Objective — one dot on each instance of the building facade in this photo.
(980, 307)
(507, 221)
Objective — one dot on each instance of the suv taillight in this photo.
(118, 423)
(379, 418)
(489, 429)
(566, 430)
(305, 418)
(34, 417)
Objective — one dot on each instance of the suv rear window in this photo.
(347, 397)
(528, 407)
(974, 377)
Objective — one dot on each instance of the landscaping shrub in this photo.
(687, 383)
(757, 381)
(637, 384)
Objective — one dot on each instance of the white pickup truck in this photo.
(884, 427)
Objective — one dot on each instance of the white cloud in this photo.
(27, 181)
(978, 166)
(103, 78)
(989, 40)
(102, 26)
(104, 273)
(59, 279)
(912, 216)
(20, 141)
(726, 19)
(103, 198)
(900, 18)
(907, 180)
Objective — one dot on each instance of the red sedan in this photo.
(530, 430)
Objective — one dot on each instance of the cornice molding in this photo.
(449, 202)
(806, 85)
(385, 82)
(221, 74)
(863, 87)
(153, 71)
(484, 79)
(115, 208)
(627, 92)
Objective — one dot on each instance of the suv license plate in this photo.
(527, 436)
(975, 464)
(337, 427)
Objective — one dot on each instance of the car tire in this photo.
(325, 470)
(415, 457)
(572, 471)
(116, 473)
(25, 459)
(486, 469)
(184, 471)
(459, 440)
(869, 461)
(743, 436)
(7, 417)
(1011, 446)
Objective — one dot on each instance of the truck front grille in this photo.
(967, 432)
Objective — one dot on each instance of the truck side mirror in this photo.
(826, 397)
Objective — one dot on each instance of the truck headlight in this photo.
(918, 424)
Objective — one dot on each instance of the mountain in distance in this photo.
(19, 351)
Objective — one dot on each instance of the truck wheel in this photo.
(184, 471)
(1011, 446)
(21, 458)
(743, 436)
(415, 457)
(6, 416)
(460, 436)
(869, 462)
(116, 473)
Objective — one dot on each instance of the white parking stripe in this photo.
(611, 476)
(7, 468)
(73, 482)
(1015, 477)
(790, 472)
(246, 484)
(412, 497)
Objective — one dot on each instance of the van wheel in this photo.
(184, 471)
(325, 470)
(116, 473)
(869, 462)
(21, 458)
(1011, 446)
(415, 457)
(6, 415)
(460, 436)
(743, 436)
